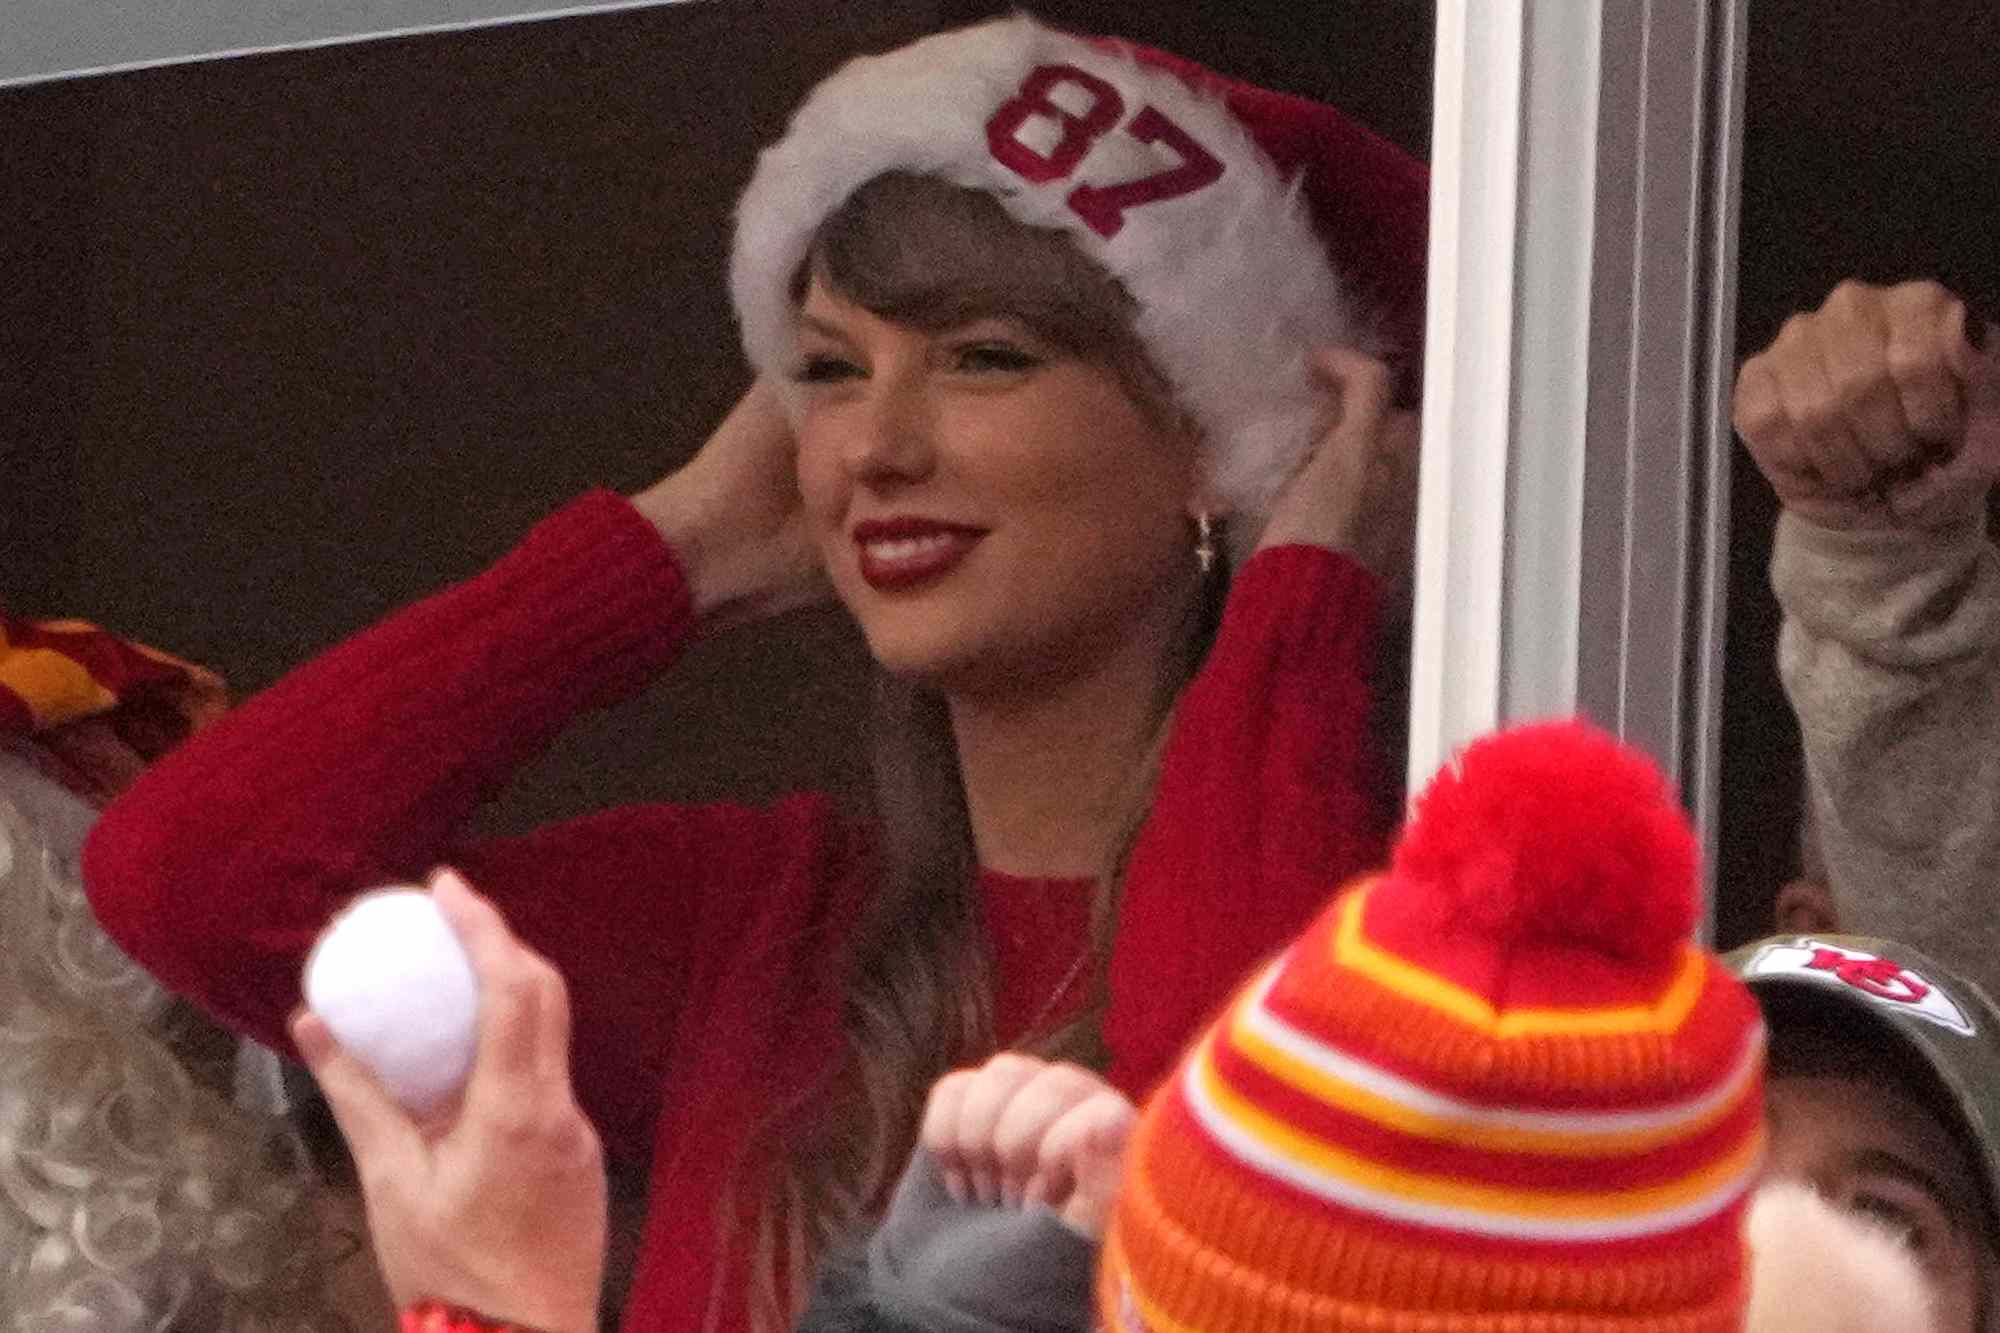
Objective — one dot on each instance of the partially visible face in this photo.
(994, 511)
(1804, 906)
(1869, 1149)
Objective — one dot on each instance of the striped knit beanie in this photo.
(1497, 1089)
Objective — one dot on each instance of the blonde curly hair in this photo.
(133, 1194)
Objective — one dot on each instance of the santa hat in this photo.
(1248, 226)
(1498, 1087)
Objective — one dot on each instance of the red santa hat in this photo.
(1248, 226)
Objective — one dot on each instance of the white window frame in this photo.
(1585, 167)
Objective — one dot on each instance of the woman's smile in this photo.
(990, 506)
(899, 553)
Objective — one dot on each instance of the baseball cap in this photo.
(1902, 996)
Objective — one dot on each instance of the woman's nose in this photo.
(894, 441)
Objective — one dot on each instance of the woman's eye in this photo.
(824, 369)
(1003, 357)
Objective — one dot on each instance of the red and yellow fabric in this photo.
(91, 708)
(58, 671)
(1497, 1084)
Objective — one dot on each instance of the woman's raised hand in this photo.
(1876, 410)
(1357, 491)
(1018, 1130)
(733, 516)
(496, 1204)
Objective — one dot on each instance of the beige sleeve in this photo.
(1890, 653)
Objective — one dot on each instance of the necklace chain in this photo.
(1061, 988)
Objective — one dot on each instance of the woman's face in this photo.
(995, 512)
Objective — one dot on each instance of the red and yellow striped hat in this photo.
(1498, 1089)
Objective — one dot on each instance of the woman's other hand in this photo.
(1357, 491)
(1018, 1130)
(1876, 410)
(733, 516)
(496, 1203)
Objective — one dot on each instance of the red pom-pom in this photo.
(1553, 833)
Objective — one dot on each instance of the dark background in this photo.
(1871, 149)
(292, 339)
(288, 340)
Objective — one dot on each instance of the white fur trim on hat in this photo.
(1233, 285)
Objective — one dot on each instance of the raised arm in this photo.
(1271, 792)
(1878, 422)
(222, 864)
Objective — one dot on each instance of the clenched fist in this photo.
(1876, 410)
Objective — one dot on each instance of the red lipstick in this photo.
(898, 553)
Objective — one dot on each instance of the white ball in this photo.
(393, 984)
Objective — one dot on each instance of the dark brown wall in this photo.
(289, 340)
(1872, 148)
(311, 333)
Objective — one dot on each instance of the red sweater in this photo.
(702, 944)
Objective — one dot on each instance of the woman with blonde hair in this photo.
(1043, 326)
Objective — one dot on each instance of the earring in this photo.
(1204, 542)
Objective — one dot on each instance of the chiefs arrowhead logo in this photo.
(1883, 980)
